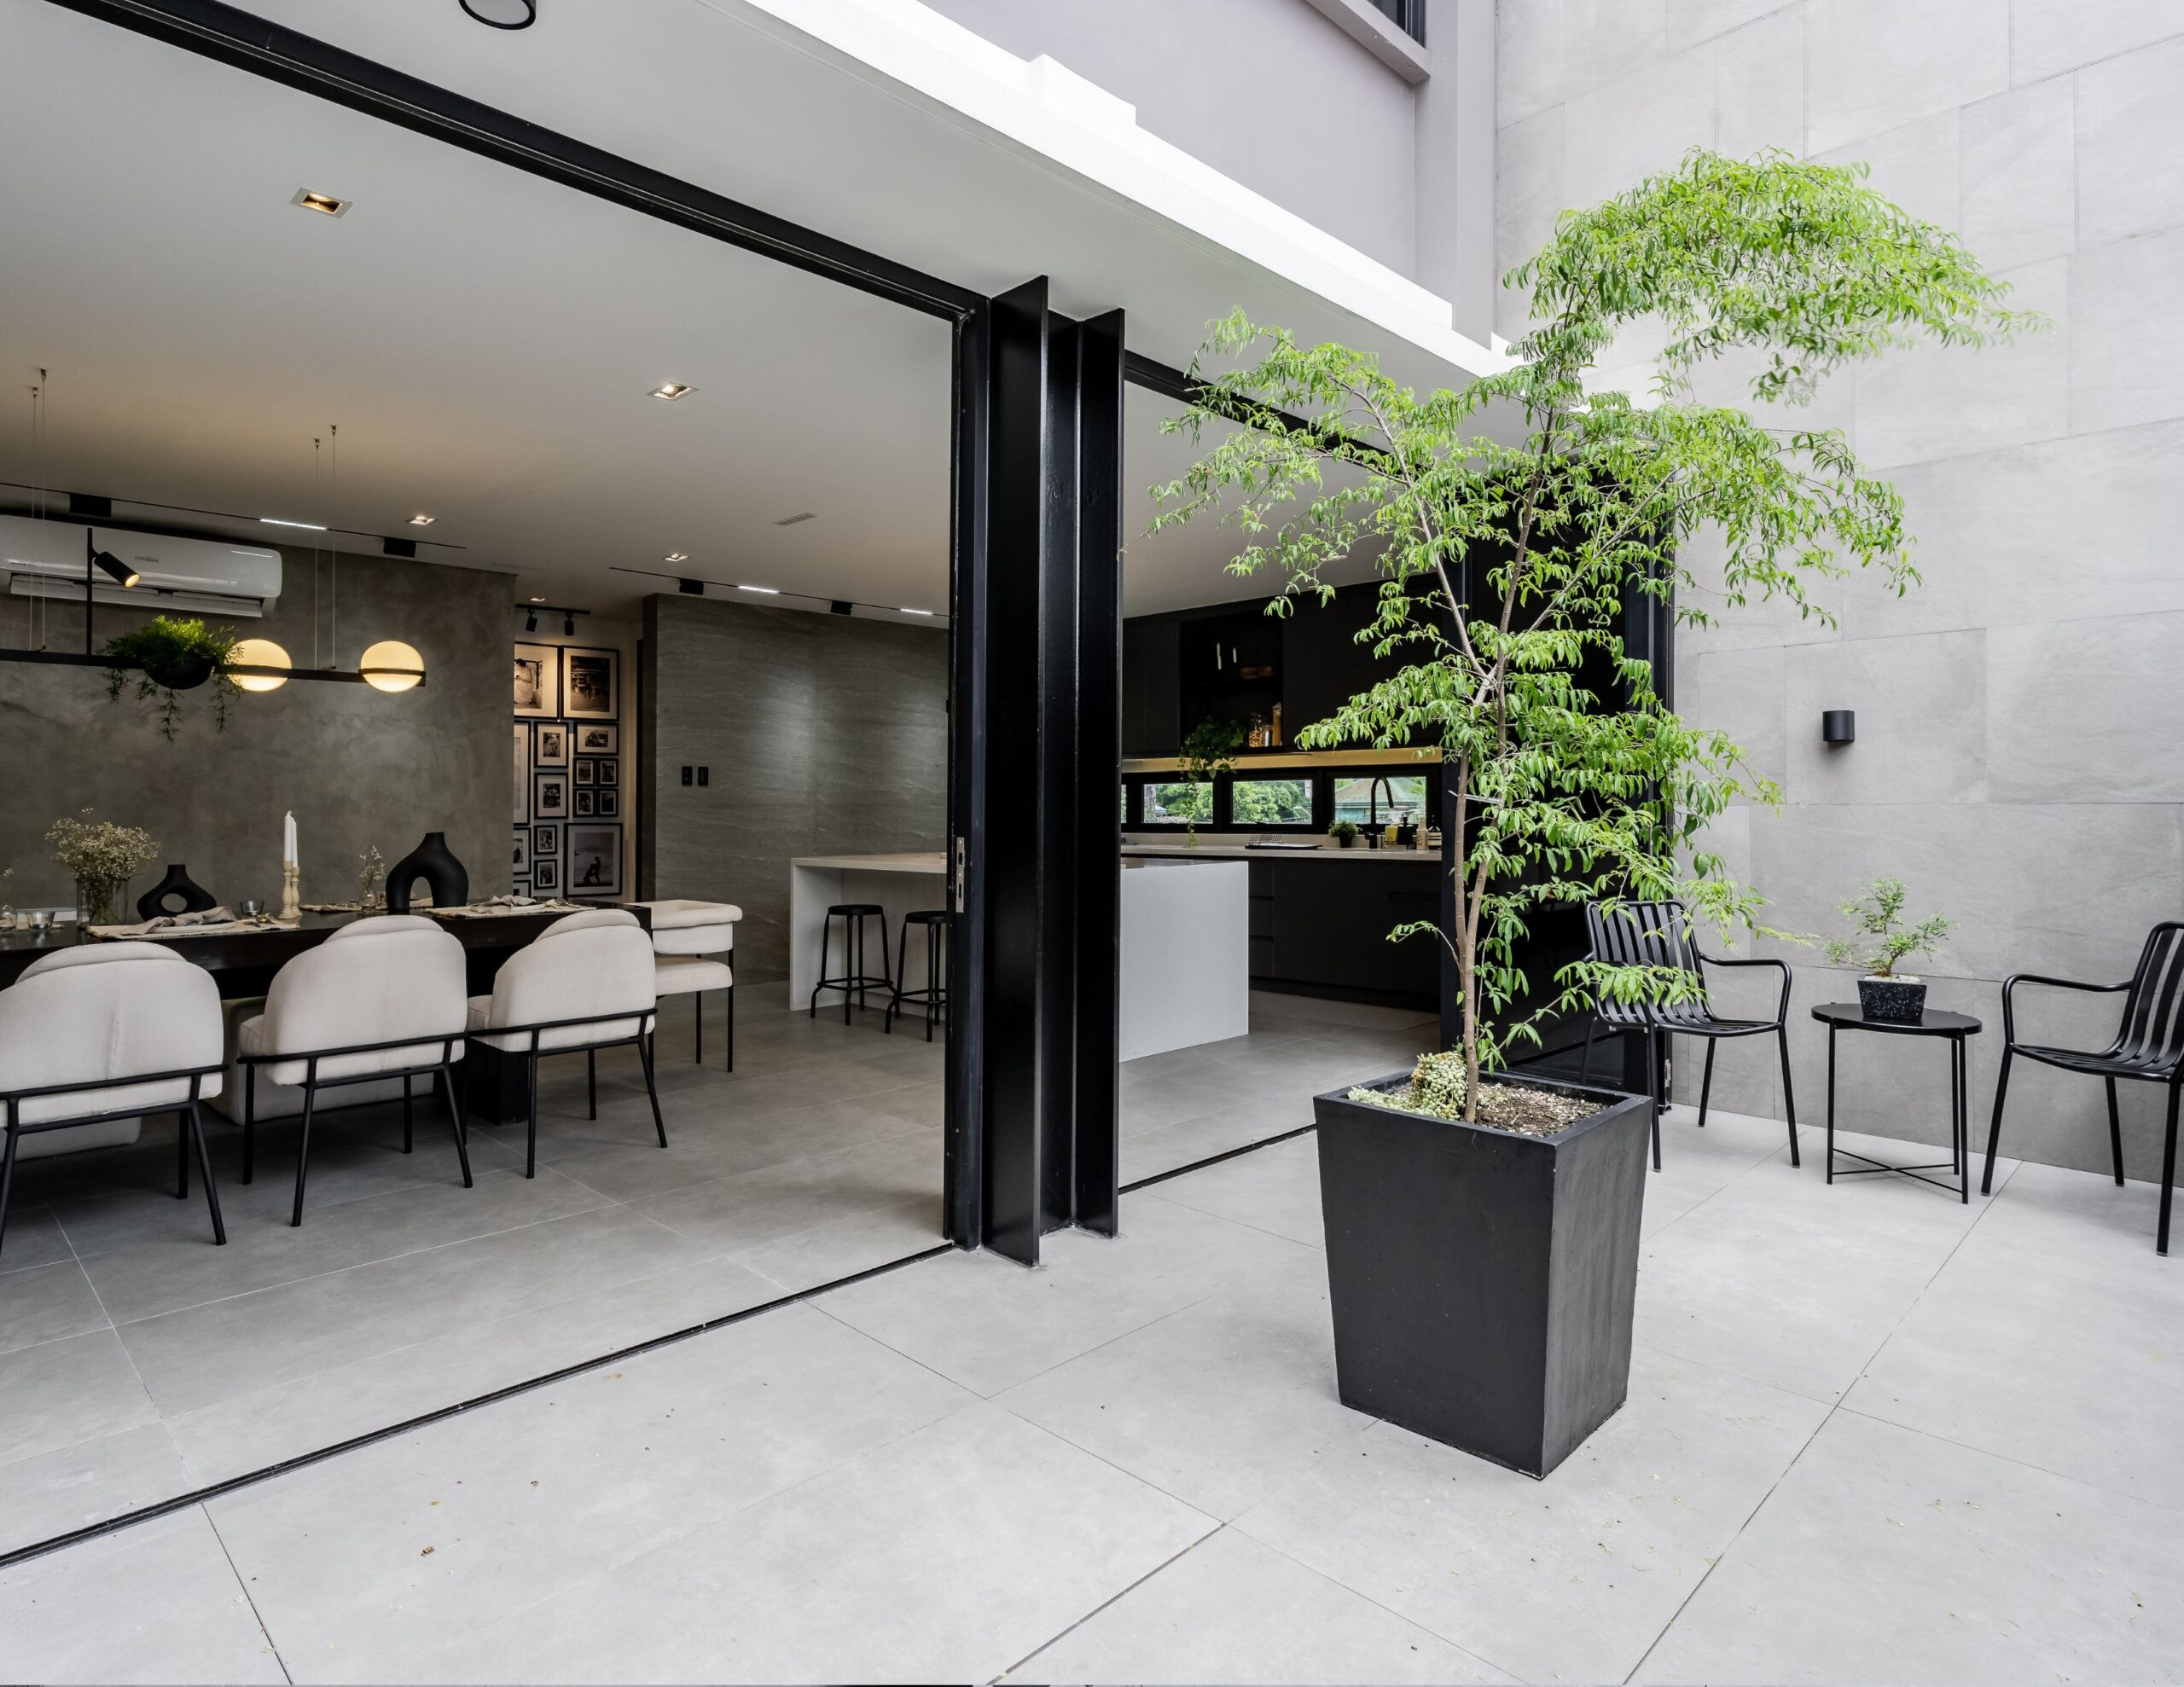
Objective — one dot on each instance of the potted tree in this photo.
(1481, 1265)
(1882, 942)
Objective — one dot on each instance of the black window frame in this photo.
(1322, 781)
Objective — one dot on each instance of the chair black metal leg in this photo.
(1706, 1080)
(1995, 1129)
(194, 1132)
(249, 1120)
(409, 1124)
(1653, 1086)
(590, 1084)
(2115, 1134)
(652, 1093)
(181, 1158)
(455, 1121)
(303, 1152)
(531, 1131)
(6, 1180)
(2168, 1173)
(853, 945)
(729, 1033)
(1789, 1097)
(902, 971)
(1585, 1065)
(698, 1028)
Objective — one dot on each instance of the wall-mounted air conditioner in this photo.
(207, 576)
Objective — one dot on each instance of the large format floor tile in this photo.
(1889, 1556)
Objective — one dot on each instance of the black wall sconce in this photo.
(1838, 726)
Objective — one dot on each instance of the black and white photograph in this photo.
(546, 840)
(601, 738)
(584, 802)
(589, 682)
(595, 860)
(607, 803)
(522, 851)
(607, 770)
(586, 771)
(522, 774)
(545, 877)
(551, 744)
(549, 796)
(538, 680)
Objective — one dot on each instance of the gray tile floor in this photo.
(137, 1361)
(1872, 1435)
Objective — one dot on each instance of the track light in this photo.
(568, 626)
(116, 568)
(530, 620)
(694, 589)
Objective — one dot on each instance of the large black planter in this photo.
(432, 862)
(1482, 1281)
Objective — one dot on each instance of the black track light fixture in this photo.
(530, 620)
(568, 626)
(115, 569)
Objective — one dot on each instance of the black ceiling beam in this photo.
(233, 36)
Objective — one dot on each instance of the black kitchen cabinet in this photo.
(1321, 928)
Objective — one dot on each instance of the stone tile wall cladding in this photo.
(2017, 714)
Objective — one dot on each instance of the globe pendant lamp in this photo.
(259, 653)
(391, 665)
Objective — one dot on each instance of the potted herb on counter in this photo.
(1344, 833)
(1482, 1271)
(1882, 942)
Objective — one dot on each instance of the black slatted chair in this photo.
(2148, 1048)
(1659, 934)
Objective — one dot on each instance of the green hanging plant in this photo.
(169, 655)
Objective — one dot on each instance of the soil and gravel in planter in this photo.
(1437, 1090)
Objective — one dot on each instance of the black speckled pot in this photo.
(1893, 1001)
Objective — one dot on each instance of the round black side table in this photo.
(1959, 1028)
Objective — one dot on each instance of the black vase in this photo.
(195, 898)
(432, 862)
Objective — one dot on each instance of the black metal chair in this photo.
(2148, 1047)
(934, 995)
(1659, 934)
(855, 980)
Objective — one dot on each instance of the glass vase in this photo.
(94, 901)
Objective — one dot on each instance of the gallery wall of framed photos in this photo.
(574, 816)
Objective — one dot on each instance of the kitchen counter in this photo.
(1237, 852)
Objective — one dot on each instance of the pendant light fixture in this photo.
(258, 653)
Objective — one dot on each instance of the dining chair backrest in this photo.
(372, 981)
(103, 1013)
(587, 965)
(2153, 1029)
(1639, 933)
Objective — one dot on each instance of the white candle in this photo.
(289, 841)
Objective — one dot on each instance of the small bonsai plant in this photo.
(1344, 833)
(169, 655)
(1209, 752)
(1881, 941)
(100, 857)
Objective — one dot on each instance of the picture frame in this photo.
(599, 738)
(550, 744)
(537, 681)
(522, 860)
(549, 795)
(591, 688)
(522, 772)
(586, 770)
(595, 860)
(584, 803)
(545, 840)
(607, 803)
(607, 770)
(545, 877)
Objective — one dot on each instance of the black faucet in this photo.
(1373, 809)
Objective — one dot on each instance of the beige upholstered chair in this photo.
(91, 1038)
(585, 982)
(692, 942)
(382, 998)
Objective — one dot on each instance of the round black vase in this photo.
(1892, 1001)
(195, 898)
(432, 862)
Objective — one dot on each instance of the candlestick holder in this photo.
(291, 910)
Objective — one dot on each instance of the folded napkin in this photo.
(494, 907)
(208, 920)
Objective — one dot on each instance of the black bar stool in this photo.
(934, 995)
(853, 983)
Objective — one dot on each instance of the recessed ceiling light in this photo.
(538, 599)
(914, 612)
(770, 591)
(308, 526)
(676, 556)
(324, 204)
(422, 520)
(802, 515)
(672, 390)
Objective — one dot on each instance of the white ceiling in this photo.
(484, 341)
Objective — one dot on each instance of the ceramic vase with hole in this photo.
(176, 886)
(432, 862)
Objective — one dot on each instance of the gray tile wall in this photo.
(2019, 713)
(358, 767)
(825, 734)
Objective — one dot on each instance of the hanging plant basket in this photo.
(169, 655)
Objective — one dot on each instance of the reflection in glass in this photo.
(1175, 802)
(1272, 802)
(1402, 797)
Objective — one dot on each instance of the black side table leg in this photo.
(1959, 1082)
(1830, 1103)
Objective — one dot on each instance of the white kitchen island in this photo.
(1185, 939)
